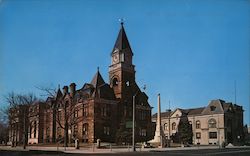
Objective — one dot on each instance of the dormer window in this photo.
(212, 108)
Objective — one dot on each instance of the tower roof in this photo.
(122, 40)
(97, 80)
(58, 93)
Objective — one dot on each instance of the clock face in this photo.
(115, 58)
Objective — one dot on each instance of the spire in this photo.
(122, 40)
(58, 93)
(97, 79)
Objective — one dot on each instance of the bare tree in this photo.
(66, 111)
(67, 117)
(3, 127)
(17, 112)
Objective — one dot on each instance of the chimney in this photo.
(65, 90)
(72, 89)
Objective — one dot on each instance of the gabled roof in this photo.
(163, 114)
(97, 80)
(87, 86)
(195, 111)
(214, 107)
(122, 40)
(59, 93)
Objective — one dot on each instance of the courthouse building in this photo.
(213, 124)
(97, 110)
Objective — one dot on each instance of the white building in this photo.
(216, 123)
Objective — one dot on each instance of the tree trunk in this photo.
(66, 135)
(24, 131)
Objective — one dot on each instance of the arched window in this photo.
(174, 126)
(212, 123)
(115, 82)
(165, 126)
(198, 124)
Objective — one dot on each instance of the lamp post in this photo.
(133, 135)
(169, 111)
(133, 126)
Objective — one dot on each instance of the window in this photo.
(212, 135)
(76, 114)
(66, 104)
(198, 124)
(35, 129)
(106, 130)
(198, 135)
(59, 115)
(142, 114)
(75, 131)
(212, 123)
(85, 129)
(85, 111)
(59, 105)
(47, 134)
(103, 111)
(212, 108)
(165, 126)
(30, 129)
(115, 82)
(143, 132)
(174, 126)
(48, 131)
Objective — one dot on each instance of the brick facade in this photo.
(98, 110)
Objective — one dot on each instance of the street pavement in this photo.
(187, 151)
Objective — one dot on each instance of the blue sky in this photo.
(190, 51)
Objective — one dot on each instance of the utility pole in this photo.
(169, 111)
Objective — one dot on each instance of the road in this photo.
(208, 152)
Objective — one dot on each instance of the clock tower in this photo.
(121, 70)
(122, 81)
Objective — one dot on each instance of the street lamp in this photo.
(133, 135)
(134, 107)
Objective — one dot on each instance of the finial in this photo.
(98, 68)
(144, 87)
(58, 86)
(122, 21)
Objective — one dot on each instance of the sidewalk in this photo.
(113, 150)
